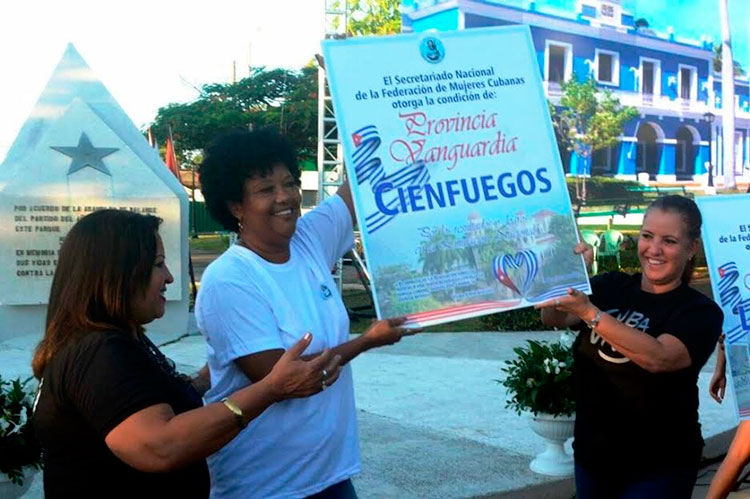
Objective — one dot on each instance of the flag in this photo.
(151, 139)
(170, 159)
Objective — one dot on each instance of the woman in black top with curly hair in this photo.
(113, 417)
(643, 340)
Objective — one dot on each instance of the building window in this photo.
(647, 70)
(601, 161)
(559, 63)
(685, 151)
(650, 79)
(687, 83)
(607, 67)
(608, 11)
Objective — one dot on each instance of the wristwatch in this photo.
(595, 321)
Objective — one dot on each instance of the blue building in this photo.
(670, 80)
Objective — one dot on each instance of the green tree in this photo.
(279, 98)
(738, 69)
(588, 119)
(438, 254)
(371, 17)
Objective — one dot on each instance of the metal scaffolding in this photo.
(331, 172)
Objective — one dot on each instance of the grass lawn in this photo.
(602, 227)
(209, 243)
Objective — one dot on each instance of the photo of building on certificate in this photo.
(458, 187)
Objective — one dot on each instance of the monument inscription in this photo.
(77, 153)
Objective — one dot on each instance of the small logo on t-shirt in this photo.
(630, 318)
(325, 292)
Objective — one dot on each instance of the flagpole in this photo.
(192, 200)
(192, 186)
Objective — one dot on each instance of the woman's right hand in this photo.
(293, 377)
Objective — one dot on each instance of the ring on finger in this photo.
(323, 385)
(325, 375)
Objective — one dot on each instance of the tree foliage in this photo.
(738, 69)
(372, 17)
(279, 98)
(589, 119)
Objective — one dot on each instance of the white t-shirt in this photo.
(247, 305)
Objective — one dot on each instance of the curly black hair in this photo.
(235, 157)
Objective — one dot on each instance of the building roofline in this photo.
(564, 24)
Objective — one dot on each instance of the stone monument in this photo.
(78, 152)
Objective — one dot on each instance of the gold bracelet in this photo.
(238, 414)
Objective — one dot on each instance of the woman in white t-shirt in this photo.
(258, 299)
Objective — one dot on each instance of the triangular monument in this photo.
(77, 152)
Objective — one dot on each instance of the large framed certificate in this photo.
(458, 187)
(726, 239)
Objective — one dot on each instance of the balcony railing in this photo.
(653, 101)
(553, 88)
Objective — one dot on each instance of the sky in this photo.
(147, 53)
(151, 53)
(689, 18)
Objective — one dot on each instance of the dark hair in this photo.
(691, 217)
(235, 157)
(105, 259)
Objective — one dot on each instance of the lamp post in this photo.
(192, 202)
(709, 118)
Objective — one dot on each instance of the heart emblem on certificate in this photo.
(516, 271)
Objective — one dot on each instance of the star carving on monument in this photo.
(85, 154)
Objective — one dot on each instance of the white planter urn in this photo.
(9, 490)
(555, 430)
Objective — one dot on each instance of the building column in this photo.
(666, 163)
(577, 164)
(700, 160)
(626, 160)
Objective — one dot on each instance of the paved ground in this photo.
(432, 418)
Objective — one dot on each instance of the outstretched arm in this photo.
(737, 457)
(380, 333)
(718, 385)
(661, 354)
(156, 440)
(345, 192)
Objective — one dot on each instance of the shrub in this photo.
(539, 379)
(18, 444)
(521, 319)
(604, 188)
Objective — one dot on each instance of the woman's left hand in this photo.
(574, 303)
(717, 386)
(388, 331)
